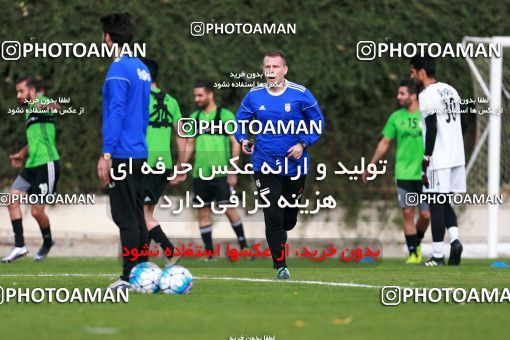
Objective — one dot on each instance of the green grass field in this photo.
(219, 308)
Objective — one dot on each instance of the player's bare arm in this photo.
(235, 152)
(181, 155)
(380, 151)
(18, 158)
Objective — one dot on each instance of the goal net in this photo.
(488, 167)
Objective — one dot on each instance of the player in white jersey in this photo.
(443, 166)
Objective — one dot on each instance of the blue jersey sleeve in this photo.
(117, 84)
(312, 112)
(246, 113)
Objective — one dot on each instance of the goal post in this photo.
(489, 132)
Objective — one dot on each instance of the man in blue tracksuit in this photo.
(279, 100)
(126, 95)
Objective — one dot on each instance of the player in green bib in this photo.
(212, 149)
(40, 176)
(404, 126)
(164, 114)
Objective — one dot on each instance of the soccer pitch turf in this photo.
(325, 302)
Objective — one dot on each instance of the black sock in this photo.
(46, 235)
(160, 238)
(239, 230)
(449, 215)
(206, 232)
(420, 235)
(17, 227)
(437, 222)
(412, 243)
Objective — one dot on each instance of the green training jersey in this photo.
(405, 127)
(211, 149)
(164, 112)
(40, 134)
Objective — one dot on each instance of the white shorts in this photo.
(447, 180)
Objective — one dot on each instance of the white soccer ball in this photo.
(176, 280)
(144, 278)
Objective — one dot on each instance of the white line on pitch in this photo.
(322, 283)
(245, 279)
(57, 275)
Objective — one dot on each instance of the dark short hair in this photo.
(206, 84)
(118, 26)
(276, 53)
(153, 67)
(412, 88)
(426, 63)
(29, 82)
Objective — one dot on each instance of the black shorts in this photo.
(216, 190)
(39, 180)
(153, 186)
(410, 185)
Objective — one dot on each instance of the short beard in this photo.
(201, 107)
(404, 105)
(24, 102)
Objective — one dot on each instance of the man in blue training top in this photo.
(280, 100)
(126, 95)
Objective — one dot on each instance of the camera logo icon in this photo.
(186, 128)
(11, 50)
(390, 295)
(366, 50)
(197, 29)
(411, 199)
(5, 199)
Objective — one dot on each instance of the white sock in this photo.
(437, 250)
(454, 233)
